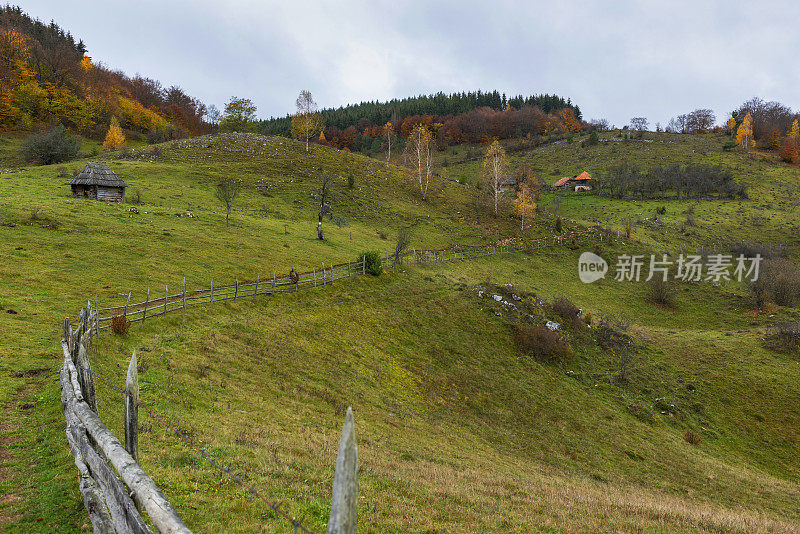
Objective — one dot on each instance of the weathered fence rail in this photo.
(116, 491)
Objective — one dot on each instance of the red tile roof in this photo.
(580, 177)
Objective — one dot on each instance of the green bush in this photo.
(594, 138)
(373, 262)
(728, 145)
(51, 147)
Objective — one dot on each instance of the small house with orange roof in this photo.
(579, 182)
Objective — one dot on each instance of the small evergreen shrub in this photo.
(373, 262)
(54, 146)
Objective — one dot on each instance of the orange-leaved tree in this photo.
(114, 138)
(745, 131)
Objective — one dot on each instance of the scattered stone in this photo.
(497, 298)
(516, 297)
(552, 325)
(12, 312)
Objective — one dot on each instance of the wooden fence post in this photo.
(364, 264)
(348, 268)
(166, 298)
(274, 276)
(344, 503)
(323, 273)
(125, 312)
(96, 317)
(255, 291)
(212, 291)
(184, 292)
(85, 376)
(236, 291)
(132, 409)
(146, 301)
(315, 276)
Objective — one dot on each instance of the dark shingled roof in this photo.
(98, 174)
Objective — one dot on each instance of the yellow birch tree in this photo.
(114, 138)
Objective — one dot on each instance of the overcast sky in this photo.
(615, 59)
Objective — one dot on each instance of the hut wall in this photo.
(115, 194)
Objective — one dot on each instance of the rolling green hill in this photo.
(458, 429)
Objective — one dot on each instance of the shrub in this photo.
(54, 146)
(558, 226)
(594, 138)
(373, 262)
(661, 210)
(120, 324)
(783, 280)
(728, 145)
(750, 250)
(790, 150)
(569, 312)
(351, 181)
(612, 333)
(62, 172)
(661, 291)
(692, 437)
(784, 337)
(542, 343)
(759, 293)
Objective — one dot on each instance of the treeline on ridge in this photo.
(471, 117)
(694, 180)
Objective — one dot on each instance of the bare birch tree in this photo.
(495, 164)
(388, 131)
(418, 153)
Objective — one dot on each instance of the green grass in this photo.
(771, 212)
(458, 430)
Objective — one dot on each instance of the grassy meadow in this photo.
(458, 430)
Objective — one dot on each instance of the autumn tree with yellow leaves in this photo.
(731, 125)
(114, 137)
(745, 131)
(527, 197)
(307, 122)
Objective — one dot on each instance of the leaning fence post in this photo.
(146, 301)
(236, 291)
(132, 409)
(344, 504)
(85, 376)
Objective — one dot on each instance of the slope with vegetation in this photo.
(47, 77)
(668, 417)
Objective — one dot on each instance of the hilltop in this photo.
(459, 428)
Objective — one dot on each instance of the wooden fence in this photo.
(166, 302)
(116, 491)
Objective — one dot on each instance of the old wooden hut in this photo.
(98, 182)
